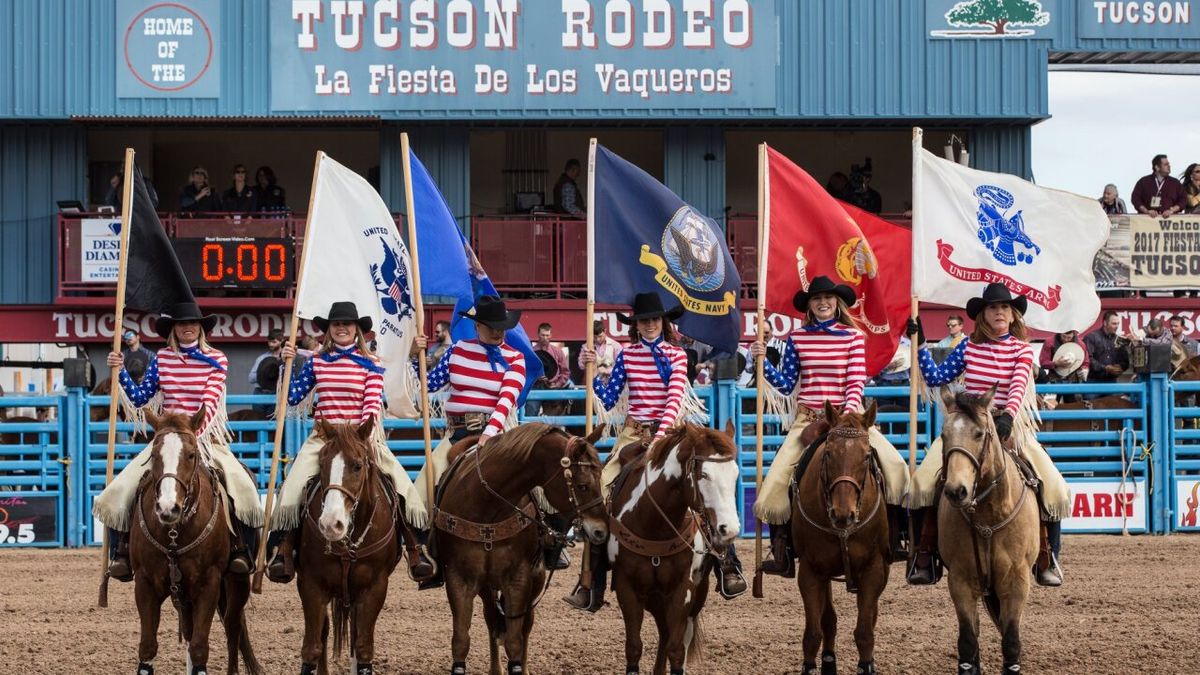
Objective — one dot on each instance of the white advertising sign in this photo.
(1187, 502)
(1106, 505)
(100, 249)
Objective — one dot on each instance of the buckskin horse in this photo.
(348, 547)
(490, 532)
(178, 549)
(671, 507)
(987, 529)
(840, 528)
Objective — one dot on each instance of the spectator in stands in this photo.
(606, 352)
(1106, 350)
(197, 196)
(116, 191)
(567, 197)
(1111, 201)
(1190, 346)
(441, 342)
(242, 197)
(271, 196)
(556, 371)
(697, 353)
(859, 191)
(838, 185)
(266, 362)
(954, 324)
(897, 372)
(137, 358)
(1156, 333)
(1191, 189)
(308, 347)
(1065, 365)
(1158, 194)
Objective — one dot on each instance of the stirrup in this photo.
(919, 575)
(586, 599)
(120, 569)
(422, 568)
(1051, 576)
(730, 584)
(240, 563)
(279, 571)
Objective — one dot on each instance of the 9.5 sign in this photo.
(28, 520)
(237, 262)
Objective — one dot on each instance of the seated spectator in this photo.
(241, 197)
(1069, 364)
(1190, 347)
(567, 197)
(954, 324)
(606, 351)
(1106, 350)
(1191, 189)
(197, 196)
(1158, 194)
(1111, 201)
(271, 196)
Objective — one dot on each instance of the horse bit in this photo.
(694, 464)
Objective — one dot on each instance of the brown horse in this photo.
(1113, 402)
(178, 549)
(490, 532)
(987, 529)
(348, 547)
(670, 508)
(840, 527)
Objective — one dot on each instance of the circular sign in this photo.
(168, 47)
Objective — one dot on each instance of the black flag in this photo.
(154, 278)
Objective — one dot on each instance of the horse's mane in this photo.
(974, 405)
(174, 423)
(342, 434)
(517, 445)
(659, 451)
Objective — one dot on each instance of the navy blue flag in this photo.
(651, 241)
(449, 268)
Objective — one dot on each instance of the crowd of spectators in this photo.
(1159, 194)
(200, 196)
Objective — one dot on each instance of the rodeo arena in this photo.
(611, 336)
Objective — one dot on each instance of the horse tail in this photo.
(693, 638)
(340, 618)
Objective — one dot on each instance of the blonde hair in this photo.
(841, 314)
(173, 342)
(327, 343)
(1016, 328)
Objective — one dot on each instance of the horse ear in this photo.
(198, 419)
(366, 428)
(986, 403)
(730, 430)
(322, 430)
(597, 432)
(948, 399)
(869, 415)
(831, 414)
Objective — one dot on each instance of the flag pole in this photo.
(115, 372)
(419, 307)
(260, 558)
(763, 223)
(914, 370)
(585, 576)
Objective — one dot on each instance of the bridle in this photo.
(696, 507)
(843, 534)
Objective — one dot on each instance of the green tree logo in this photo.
(995, 18)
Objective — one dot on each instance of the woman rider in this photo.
(654, 372)
(184, 377)
(997, 354)
(347, 380)
(826, 362)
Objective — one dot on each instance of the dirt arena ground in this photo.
(1131, 605)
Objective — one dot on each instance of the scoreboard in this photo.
(237, 262)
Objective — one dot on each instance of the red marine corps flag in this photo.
(808, 233)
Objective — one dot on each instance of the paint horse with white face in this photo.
(178, 549)
(672, 510)
(348, 547)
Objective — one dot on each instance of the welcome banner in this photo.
(1145, 253)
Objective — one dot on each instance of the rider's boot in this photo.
(896, 532)
(589, 592)
(241, 548)
(421, 567)
(555, 554)
(435, 580)
(730, 582)
(925, 568)
(1046, 571)
(118, 556)
(282, 567)
(782, 560)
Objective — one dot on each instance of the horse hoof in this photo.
(828, 663)
(866, 668)
(810, 669)
(968, 669)
(1012, 667)
(199, 670)
(458, 668)
(308, 669)
(145, 669)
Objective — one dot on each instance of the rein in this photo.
(843, 534)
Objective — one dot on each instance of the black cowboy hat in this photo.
(649, 306)
(819, 286)
(995, 293)
(343, 311)
(267, 375)
(182, 311)
(490, 311)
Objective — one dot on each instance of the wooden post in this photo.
(419, 307)
(914, 369)
(760, 329)
(585, 566)
(115, 372)
(260, 559)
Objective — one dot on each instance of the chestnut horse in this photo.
(178, 548)
(348, 547)
(840, 528)
(490, 531)
(670, 507)
(987, 529)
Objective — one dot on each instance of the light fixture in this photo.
(964, 157)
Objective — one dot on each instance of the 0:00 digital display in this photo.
(236, 262)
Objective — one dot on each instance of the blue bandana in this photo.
(661, 362)
(336, 353)
(195, 353)
(495, 357)
(824, 327)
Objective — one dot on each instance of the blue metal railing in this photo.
(34, 473)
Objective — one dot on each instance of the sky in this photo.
(1106, 127)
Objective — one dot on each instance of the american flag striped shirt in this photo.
(1006, 362)
(187, 383)
(650, 399)
(345, 391)
(829, 362)
(477, 385)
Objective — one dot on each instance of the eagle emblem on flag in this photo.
(1000, 233)
(391, 281)
(692, 251)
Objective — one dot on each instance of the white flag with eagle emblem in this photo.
(355, 254)
(972, 228)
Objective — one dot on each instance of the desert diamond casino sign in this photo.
(168, 49)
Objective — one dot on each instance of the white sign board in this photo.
(1187, 502)
(100, 249)
(1106, 505)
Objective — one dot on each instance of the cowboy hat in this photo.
(1073, 352)
(182, 311)
(343, 311)
(823, 285)
(993, 294)
(648, 306)
(490, 311)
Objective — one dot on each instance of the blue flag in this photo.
(651, 241)
(449, 268)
